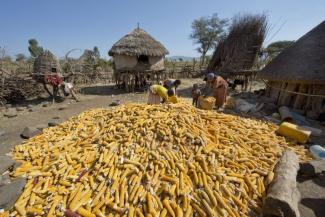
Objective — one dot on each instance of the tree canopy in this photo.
(277, 47)
(96, 52)
(20, 57)
(33, 48)
(207, 32)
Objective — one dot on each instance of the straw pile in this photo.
(239, 50)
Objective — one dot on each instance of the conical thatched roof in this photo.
(303, 62)
(136, 43)
(45, 62)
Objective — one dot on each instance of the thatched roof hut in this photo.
(296, 77)
(238, 51)
(136, 43)
(303, 62)
(46, 63)
(136, 56)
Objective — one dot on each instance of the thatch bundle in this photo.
(45, 63)
(136, 43)
(239, 50)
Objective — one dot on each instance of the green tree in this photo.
(207, 32)
(277, 47)
(89, 57)
(20, 57)
(96, 52)
(33, 48)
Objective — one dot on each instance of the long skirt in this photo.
(153, 98)
(220, 94)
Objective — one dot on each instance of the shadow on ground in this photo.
(37, 101)
(318, 180)
(317, 205)
(104, 90)
(186, 92)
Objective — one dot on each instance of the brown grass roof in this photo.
(304, 61)
(136, 43)
(45, 62)
(238, 51)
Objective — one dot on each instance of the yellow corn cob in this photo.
(53, 206)
(198, 163)
(84, 212)
(163, 213)
(139, 213)
(168, 207)
(131, 211)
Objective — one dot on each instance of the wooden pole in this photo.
(286, 96)
(300, 100)
(283, 196)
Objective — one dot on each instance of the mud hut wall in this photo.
(278, 90)
(300, 102)
(125, 62)
(287, 98)
(156, 63)
(273, 90)
(318, 103)
(45, 66)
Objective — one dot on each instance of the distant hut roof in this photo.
(136, 43)
(45, 62)
(303, 62)
(238, 51)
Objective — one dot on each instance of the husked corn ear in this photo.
(149, 160)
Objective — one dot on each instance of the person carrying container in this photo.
(159, 94)
(217, 87)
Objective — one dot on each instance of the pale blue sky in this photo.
(65, 24)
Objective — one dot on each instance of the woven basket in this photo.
(207, 103)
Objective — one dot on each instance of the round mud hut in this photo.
(138, 58)
(296, 77)
(46, 64)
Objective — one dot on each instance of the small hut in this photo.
(237, 53)
(46, 65)
(296, 77)
(137, 57)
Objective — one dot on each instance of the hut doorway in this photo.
(143, 59)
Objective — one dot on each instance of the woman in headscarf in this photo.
(217, 87)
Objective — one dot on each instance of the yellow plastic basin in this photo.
(294, 132)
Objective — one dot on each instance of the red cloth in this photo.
(54, 80)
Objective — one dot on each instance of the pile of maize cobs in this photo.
(149, 160)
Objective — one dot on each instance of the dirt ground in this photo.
(313, 190)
